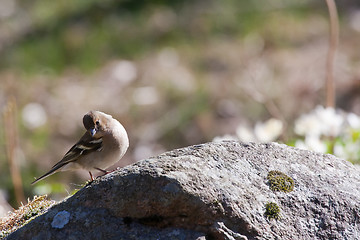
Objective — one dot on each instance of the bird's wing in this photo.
(85, 145)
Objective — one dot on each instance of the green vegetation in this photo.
(24, 214)
(272, 211)
(279, 181)
(211, 67)
(85, 34)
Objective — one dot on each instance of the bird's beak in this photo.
(92, 131)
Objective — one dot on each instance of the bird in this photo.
(103, 144)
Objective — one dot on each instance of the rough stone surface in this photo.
(213, 191)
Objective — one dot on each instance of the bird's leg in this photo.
(91, 176)
(102, 170)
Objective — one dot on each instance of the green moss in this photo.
(272, 211)
(279, 181)
(24, 214)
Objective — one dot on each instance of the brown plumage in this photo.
(102, 145)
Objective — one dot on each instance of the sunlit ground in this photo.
(174, 74)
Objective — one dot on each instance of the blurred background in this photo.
(174, 73)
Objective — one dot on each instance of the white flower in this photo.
(315, 144)
(339, 150)
(308, 124)
(312, 143)
(224, 138)
(353, 120)
(301, 144)
(263, 131)
(245, 134)
(349, 150)
(321, 121)
(269, 130)
(331, 122)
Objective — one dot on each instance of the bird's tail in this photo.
(49, 173)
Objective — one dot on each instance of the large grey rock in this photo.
(211, 191)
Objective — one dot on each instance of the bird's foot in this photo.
(103, 171)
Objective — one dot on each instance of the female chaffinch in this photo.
(103, 144)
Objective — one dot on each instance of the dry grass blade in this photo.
(334, 39)
(23, 214)
(11, 138)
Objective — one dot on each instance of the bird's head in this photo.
(96, 123)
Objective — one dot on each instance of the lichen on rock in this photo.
(279, 181)
(272, 211)
(61, 219)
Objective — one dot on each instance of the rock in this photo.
(212, 191)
